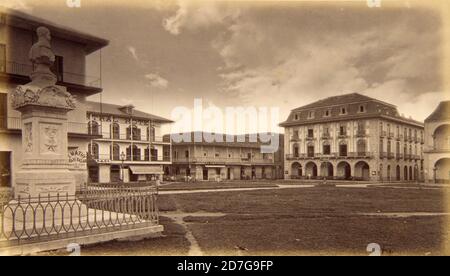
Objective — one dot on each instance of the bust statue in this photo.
(41, 51)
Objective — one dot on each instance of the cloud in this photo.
(290, 62)
(20, 5)
(157, 81)
(133, 53)
(192, 15)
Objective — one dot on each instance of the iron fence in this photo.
(91, 210)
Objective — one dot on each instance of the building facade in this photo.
(352, 137)
(17, 35)
(129, 146)
(228, 157)
(437, 145)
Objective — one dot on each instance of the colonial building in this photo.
(71, 47)
(130, 146)
(437, 144)
(228, 157)
(352, 137)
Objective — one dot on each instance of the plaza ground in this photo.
(297, 221)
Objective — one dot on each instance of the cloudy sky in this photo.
(165, 54)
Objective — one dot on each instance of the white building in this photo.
(129, 145)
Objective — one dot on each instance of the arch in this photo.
(296, 170)
(115, 131)
(441, 137)
(362, 170)
(344, 170)
(398, 176)
(310, 149)
(311, 170)
(93, 150)
(326, 170)
(442, 170)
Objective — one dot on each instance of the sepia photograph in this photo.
(216, 129)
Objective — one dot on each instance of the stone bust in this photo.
(41, 52)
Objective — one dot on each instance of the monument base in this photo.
(44, 183)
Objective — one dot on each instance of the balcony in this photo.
(295, 138)
(224, 160)
(65, 78)
(383, 133)
(399, 137)
(407, 156)
(310, 137)
(295, 156)
(391, 135)
(399, 156)
(391, 155)
(383, 154)
(326, 136)
(107, 158)
(360, 154)
(342, 135)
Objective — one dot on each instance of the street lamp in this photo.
(122, 158)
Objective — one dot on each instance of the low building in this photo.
(352, 137)
(71, 47)
(228, 157)
(437, 144)
(129, 147)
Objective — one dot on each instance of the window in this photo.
(296, 135)
(186, 154)
(154, 154)
(2, 58)
(326, 149)
(115, 152)
(310, 151)
(310, 133)
(296, 151)
(135, 132)
(94, 128)
(343, 150)
(310, 114)
(151, 133)
(362, 108)
(327, 113)
(217, 154)
(115, 131)
(361, 147)
(57, 68)
(342, 130)
(93, 150)
(3, 110)
(389, 146)
(381, 145)
(296, 117)
(343, 110)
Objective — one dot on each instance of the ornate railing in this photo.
(92, 210)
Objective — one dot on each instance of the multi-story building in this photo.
(437, 144)
(17, 35)
(129, 146)
(352, 136)
(229, 157)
